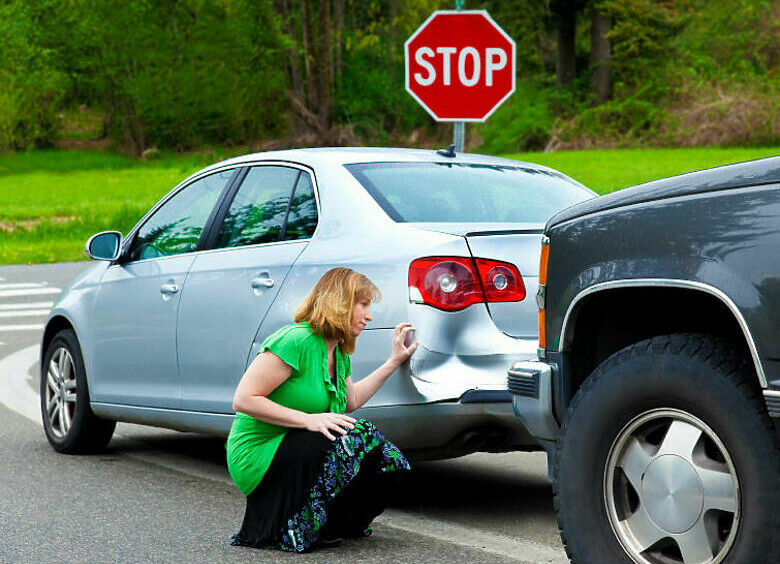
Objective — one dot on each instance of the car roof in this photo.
(320, 156)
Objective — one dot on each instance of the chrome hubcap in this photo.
(671, 491)
(60, 392)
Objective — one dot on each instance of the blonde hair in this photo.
(331, 303)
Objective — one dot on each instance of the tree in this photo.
(600, 54)
(564, 18)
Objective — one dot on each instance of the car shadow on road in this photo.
(497, 490)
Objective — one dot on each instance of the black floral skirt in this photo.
(319, 489)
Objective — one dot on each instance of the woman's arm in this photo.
(266, 373)
(360, 393)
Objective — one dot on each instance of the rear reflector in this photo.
(455, 283)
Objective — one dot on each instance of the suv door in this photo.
(134, 353)
(270, 220)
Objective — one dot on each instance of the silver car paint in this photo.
(134, 345)
(418, 407)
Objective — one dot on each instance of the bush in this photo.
(522, 123)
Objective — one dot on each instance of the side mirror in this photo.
(104, 246)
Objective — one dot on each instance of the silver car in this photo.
(161, 329)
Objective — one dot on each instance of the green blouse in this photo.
(252, 443)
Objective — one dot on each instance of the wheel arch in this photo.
(54, 326)
(608, 316)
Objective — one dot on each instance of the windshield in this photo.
(467, 193)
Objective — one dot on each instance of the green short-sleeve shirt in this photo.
(252, 443)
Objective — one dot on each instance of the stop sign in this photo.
(460, 65)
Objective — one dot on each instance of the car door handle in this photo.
(169, 288)
(262, 282)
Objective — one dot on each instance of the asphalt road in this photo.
(159, 495)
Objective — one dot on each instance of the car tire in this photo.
(667, 454)
(68, 421)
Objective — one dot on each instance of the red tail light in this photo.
(454, 283)
(501, 281)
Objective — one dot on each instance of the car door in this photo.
(134, 354)
(229, 289)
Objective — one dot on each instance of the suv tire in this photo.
(667, 455)
(68, 421)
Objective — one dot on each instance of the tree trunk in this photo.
(338, 9)
(565, 52)
(599, 56)
(324, 62)
(309, 57)
(294, 64)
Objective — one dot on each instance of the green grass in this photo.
(609, 170)
(52, 201)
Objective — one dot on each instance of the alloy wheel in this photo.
(60, 392)
(671, 490)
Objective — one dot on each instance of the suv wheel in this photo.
(68, 421)
(667, 456)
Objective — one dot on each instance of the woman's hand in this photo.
(326, 422)
(401, 352)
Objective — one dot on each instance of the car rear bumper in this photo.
(453, 428)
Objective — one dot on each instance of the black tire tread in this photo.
(93, 432)
(714, 352)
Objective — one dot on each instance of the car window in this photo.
(257, 212)
(176, 227)
(302, 219)
(449, 192)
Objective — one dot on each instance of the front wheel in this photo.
(68, 421)
(667, 456)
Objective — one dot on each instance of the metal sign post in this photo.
(459, 135)
(459, 127)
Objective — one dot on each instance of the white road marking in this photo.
(16, 286)
(24, 313)
(36, 327)
(8, 307)
(29, 292)
(19, 397)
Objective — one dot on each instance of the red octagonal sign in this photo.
(460, 65)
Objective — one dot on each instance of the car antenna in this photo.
(448, 152)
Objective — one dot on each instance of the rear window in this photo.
(467, 193)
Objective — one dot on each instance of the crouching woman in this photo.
(311, 474)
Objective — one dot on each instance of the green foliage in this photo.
(729, 38)
(178, 74)
(169, 73)
(522, 123)
(639, 37)
(625, 121)
(371, 95)
(207, 73)
(32, 86)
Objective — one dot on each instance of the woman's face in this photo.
(361, 315)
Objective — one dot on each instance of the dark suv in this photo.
(657, 392)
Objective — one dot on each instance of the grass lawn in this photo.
(52, 201)
(609, 170)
